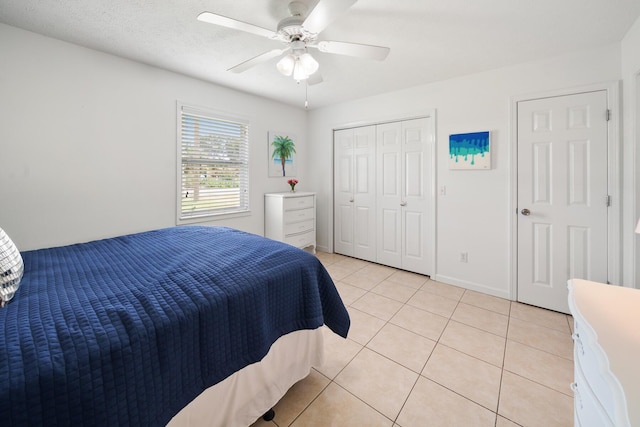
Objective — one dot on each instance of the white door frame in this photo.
(614, 265)
(634, 122)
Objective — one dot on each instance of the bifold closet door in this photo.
(354, 192)
(403, 153)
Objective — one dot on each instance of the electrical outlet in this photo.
(464, 257)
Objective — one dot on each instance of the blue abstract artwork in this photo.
(470, 151)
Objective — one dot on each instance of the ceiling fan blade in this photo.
(212, 18)
(367, 51)
(325, 12)
(314, 79)
(244, 66)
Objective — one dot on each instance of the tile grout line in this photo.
(449, 319)
(426, 361)
(332, 380)
(504, 356)
(395, 420)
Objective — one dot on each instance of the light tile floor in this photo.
(423, 353)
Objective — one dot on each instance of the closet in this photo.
(383, 195)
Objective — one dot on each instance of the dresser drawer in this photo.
(299, 215)
(298, 227)
(301, 240)
(588, 409)
(291, 218)
(291, 203)
(591, 359)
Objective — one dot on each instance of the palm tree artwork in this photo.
(283, 148)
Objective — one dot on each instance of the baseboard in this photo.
(471, 286)
(323, 249)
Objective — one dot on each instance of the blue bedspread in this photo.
(127, 331)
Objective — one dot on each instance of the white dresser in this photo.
(291, 218)
(606, 354)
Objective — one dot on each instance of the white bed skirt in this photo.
(245, 396)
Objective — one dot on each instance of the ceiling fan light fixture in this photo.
(300, 66)
(286, 65)
(299, 72)
(309, 63)
(300, 31)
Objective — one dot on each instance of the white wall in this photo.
(88, 142)
(631, 151)
(474, 215)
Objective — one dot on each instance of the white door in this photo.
(416, 184)
(343, 192)
(389, 188)
(364, 190)
(354, 194)
(562, 196)
(403, 184)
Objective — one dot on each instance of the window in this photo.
(214, 164)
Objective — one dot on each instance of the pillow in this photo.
(11, 268)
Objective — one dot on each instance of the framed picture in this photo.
(470, 150)
(282, 154)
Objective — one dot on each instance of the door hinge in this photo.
(608, 200)
(608, 114)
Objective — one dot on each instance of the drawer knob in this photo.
(578, 342)
(576, 394)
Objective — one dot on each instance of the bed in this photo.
(185, 325)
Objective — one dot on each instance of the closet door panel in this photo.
(343, 192)
(354, 192)
(364, 153)
(415, 197)
(389, 249)
(389, 194)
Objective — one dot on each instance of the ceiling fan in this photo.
(300, 32)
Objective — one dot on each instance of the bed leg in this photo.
(269, 415)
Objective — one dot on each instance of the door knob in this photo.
(403, 203)
(351, 200)
(525, 212)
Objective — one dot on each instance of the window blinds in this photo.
(214, 165)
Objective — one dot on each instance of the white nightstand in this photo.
(291, 218)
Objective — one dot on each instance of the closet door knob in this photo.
(403, 203)
(525, 212)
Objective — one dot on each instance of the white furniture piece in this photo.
(291, 218)
(606, 354)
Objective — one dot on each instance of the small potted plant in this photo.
(292, 182)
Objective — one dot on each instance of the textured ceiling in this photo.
(430, 40)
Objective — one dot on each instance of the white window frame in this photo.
(212, 121)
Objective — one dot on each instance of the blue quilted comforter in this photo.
(127, 331)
